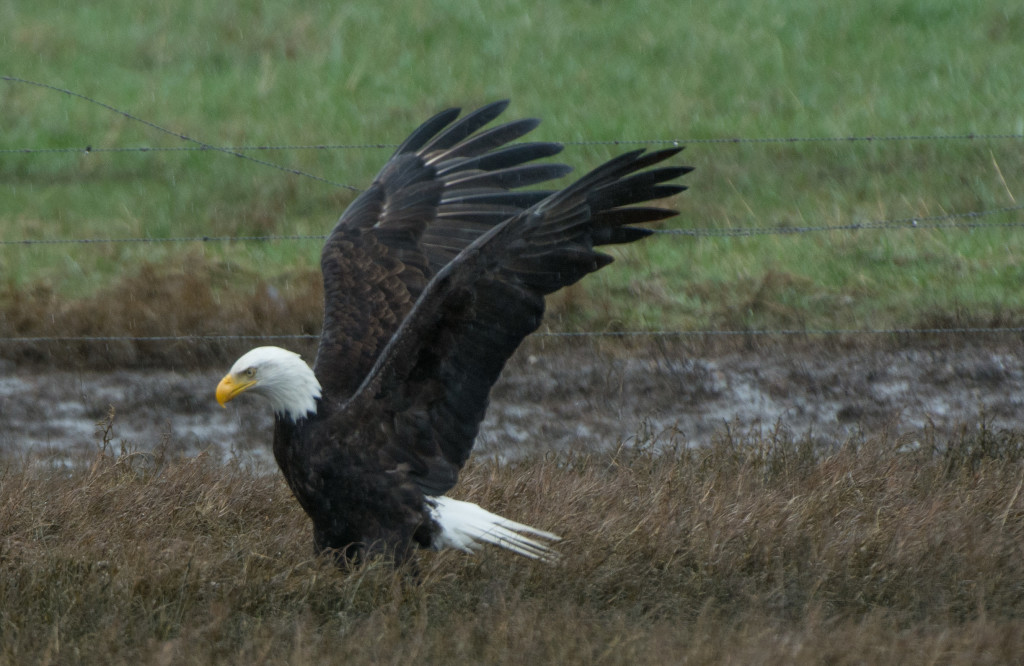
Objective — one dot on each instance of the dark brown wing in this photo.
(430, 386)
(447, 184)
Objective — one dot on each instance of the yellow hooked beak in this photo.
(231, 386)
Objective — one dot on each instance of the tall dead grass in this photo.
(199, 296)
(194, 296)
(760, 549)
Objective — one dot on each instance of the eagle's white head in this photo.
(280, 376)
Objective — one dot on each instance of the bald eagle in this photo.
(432, 278)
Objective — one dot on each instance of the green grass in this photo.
(758, 549)
(254, 73)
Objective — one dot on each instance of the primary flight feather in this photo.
(432, 278)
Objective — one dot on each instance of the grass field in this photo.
(758, 549)
(254, 73)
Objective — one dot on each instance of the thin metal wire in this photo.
(185, 149)
(802, 139)
(966, 220)
(946, 221)
(149, 338)
(937, 221)
(767, 332)
(200, 145)
(236, 151)
(179, 239)
(609, 142)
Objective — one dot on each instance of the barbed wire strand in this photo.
(200, 145)
(606, 142)
(766, 332)
(176, 239)
(965, 220)
(185, 149)
(946, 220)
(236, 151)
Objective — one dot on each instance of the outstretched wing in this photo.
(430, 385)
(446, 185)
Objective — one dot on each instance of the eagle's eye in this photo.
(250, 373)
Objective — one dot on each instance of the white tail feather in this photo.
(466, 526)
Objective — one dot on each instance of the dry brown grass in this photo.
(758, 549)
(194, 296)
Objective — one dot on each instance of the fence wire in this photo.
(199, 145)
(761, 333)
(961, 220)
(966, 220)
(235, 150)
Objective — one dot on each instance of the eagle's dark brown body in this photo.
(354, 501)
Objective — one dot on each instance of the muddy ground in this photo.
(563, 396)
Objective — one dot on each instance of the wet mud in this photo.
(557, 399)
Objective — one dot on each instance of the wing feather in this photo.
(446, 185)
(518, 153)
(475, 312)
(464, 128)
(483, 142)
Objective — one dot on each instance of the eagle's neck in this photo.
(293, 391)
(298, 407)
(297, 414)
